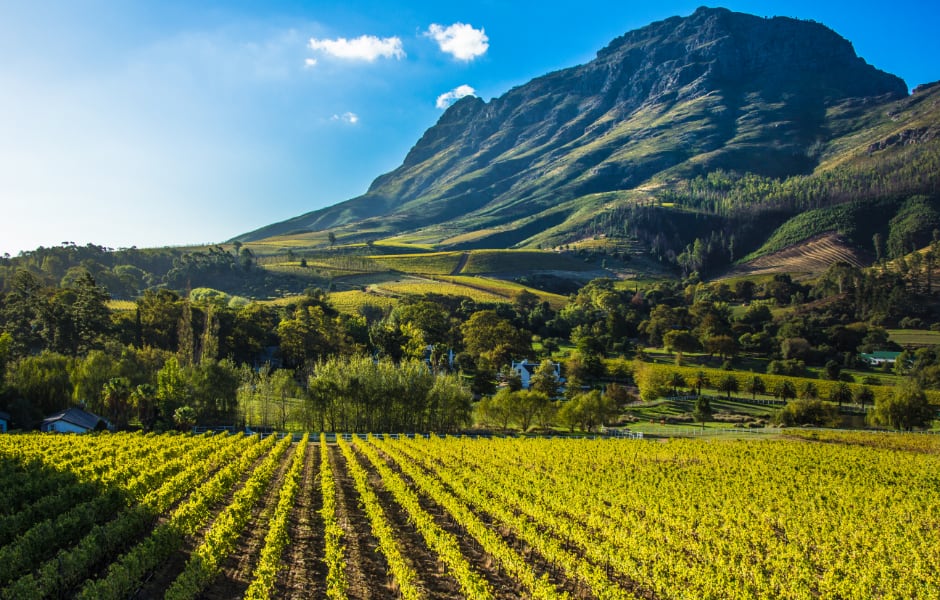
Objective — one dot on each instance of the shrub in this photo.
(807, 412)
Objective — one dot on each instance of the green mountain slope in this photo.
(717, 127)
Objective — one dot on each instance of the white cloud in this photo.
(460, 40)
(309, 63)
(448, 98)
(364, 47)
(347, 117)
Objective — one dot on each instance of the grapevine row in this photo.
(551, 549)
(440, 541)
(70, 567)
(204, 563)
(404, 574)
(492, 543)
(277, 537)
(334, 554)
(125, 574)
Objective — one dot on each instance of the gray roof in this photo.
(75, 416)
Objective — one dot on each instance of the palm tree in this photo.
(700, 381)
(841, 393)
(676, 380)
(728, 384)
(785, 390)
(755, 385)
(809, 391)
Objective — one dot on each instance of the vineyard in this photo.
(826, 515)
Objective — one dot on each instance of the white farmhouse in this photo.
(525, 369)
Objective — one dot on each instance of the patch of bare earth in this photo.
(814, 255)
(366, 568)
(237, 570)
(305, 573)
(432, 575)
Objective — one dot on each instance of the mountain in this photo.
(620, 142)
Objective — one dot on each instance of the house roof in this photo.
(4, 416)
(75, 416)
(882, 354)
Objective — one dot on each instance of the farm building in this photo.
(877, 359)
(525, 369)
(74, 420)
(4, 422)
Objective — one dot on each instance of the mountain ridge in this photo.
(676, 99)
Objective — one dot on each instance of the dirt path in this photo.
(365, 568)
(305, 572)
(461, 263)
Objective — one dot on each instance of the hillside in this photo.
(689, 128)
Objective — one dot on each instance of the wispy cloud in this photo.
(448, 98)
(309, 63)
(364, 47)
(347, 117)
(460, 40)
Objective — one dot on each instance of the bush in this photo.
(791, 367)
(807, 412)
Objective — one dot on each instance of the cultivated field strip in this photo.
(824, 515)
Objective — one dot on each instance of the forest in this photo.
(436, 362)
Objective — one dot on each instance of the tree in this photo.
(526, 406)
(184, 417)
(496, 410)
(809, 391)
(652, 382)
(832, 370)
(905, 409)
(703, 410)
(728, 384)
(117, 401)
(864, 395)
(186, 353)
(807, 412)
(785, 390)
(544, 379)
(43, 381)
(492, 340)
(90, 315)
(700, 381)
(755, 385)
(595, 410)
(680, 341)
(676, 380)
(332, 237)
(512, 378)
(840, 393)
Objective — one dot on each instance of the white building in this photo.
(526, 369)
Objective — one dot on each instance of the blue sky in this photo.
(151, 123)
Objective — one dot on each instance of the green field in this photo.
(506, 289)
(914, 337)
(521, 261)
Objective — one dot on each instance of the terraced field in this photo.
(215, 516)
(812, 256)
